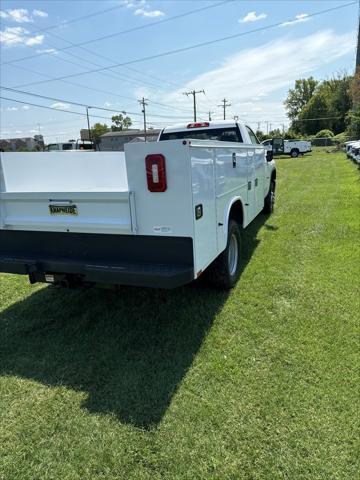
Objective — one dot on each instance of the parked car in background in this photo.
(294, 148)
(70, 146)
(353, 150)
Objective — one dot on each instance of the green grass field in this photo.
(258, 383)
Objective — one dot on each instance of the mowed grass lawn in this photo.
(260, 383)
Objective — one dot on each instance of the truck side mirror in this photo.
(269, 155)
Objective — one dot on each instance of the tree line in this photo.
(331, 106)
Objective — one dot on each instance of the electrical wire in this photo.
(188, 48)
(133, 29)
(84, 104)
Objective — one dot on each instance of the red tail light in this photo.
(198, 124)
(156, 172)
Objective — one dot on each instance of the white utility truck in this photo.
(294, 148)
(158, 214)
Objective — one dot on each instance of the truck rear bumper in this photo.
(163, 262)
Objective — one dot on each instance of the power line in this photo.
(55, 99)
(185, 49)
(133, 29)
(117, 74)
(52, 108)
(93, 88)
(77, 19)
(69, 111)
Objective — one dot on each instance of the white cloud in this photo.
(302, 17)
(25, 107)
(149, 13)
(60, 105)
(250, 74)
(33, 131)
(12, 109)
(39, 13)
(252, 17)
(142, 8)
(37, 40)
(48, 50)
(19, 36)
(22, 15)
(134, 3)
(19, 15)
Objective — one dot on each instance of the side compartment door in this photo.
(204, 206)
(251, 176)
(256, 157)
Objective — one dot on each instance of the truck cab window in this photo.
(228, 134)
(53, 147)
(253, 138)
(68, 146)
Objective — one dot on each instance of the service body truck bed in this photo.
(155, 215)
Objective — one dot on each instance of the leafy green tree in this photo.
(327, 108)
(353, 119)
(290, 135)
(275, 133)
(260, 135)
(312, 117)
(353, 116)
(324, 134)
(121, 122)
(97, 130)
(299, 96)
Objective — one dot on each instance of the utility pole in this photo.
(193, 93)
(224, 104)
(258, 124)
(39, 129)
(88, 122)
(143, 111)
(267, 127)
(210, 113)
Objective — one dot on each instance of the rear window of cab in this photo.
(230, 134)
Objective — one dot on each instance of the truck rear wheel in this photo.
(294, 153)
(225, 271)
(269, 201)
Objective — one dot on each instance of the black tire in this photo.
(224, 272)
(269, 202)
(294, 153)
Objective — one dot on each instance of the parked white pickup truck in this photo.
(294, 148)
(158, 214)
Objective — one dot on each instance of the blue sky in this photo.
(253, 71)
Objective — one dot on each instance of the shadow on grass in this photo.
(129, 350)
